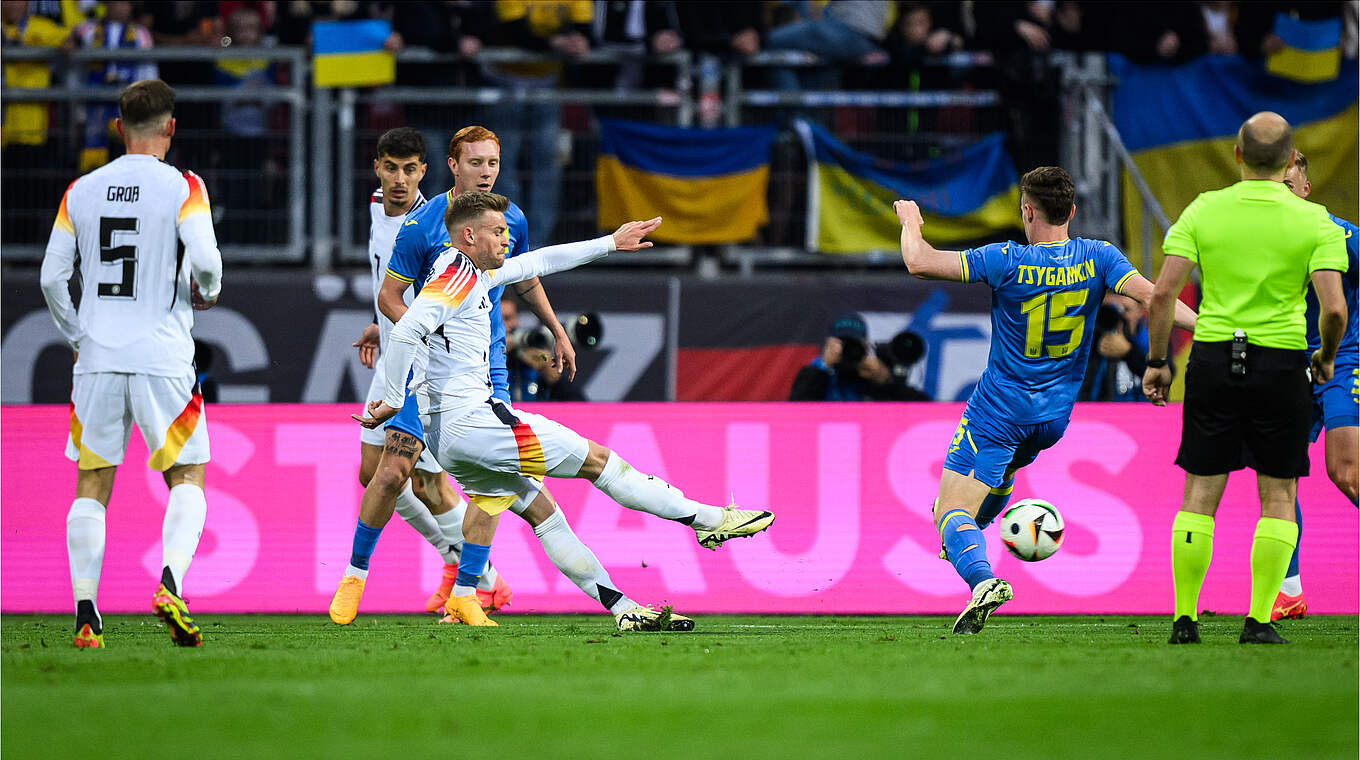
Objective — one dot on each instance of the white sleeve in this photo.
(431, 309)
(57, 266)
(200, 241)
(554, 258)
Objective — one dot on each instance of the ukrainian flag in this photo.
(970, 195)
(1180, 123)
(709, 184)
(1311, 52)
(350, 54)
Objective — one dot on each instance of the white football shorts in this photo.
(378, 436)
(499, 455)
(168, 411)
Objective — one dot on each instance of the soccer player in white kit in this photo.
(427, 502)
(134, 354)
(500, 456)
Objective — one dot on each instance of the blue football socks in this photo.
(965, 547)
(995, 501)
(472, 564)
(365, 538)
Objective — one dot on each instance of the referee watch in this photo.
(1155, 363)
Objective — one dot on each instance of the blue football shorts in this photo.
(987, 448)
(1336, 403)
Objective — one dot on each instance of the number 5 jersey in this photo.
(140, 230)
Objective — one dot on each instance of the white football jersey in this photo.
(382, 235)
(451, 317)
(132, 223)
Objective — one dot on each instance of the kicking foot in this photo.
(987, 596)
(86, 638)
(1254, 632)
(345, 603)
(642, 618)
(1184, 631)
(736, 523)
(175, 614)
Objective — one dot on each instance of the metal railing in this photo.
(324, 146)
(1090, 139)
(274, 215)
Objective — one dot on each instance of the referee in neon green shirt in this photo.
(1247, 399)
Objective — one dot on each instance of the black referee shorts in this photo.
(1260, 420)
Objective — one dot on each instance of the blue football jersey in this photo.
(1044, 302)
(423, 238)
(1349, 353)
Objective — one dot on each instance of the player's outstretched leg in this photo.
(966, 549)
(648, 493)
(85, 553)
(1289, 603)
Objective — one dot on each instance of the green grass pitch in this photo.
(738, 687)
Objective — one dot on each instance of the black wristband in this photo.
(1156, 363)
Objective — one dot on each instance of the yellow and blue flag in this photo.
(1180, 123)
(969, 195)
(708, 184)
(350, 54)
(1311, 52)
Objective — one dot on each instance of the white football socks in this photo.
(85, 546)
(418, 516)
(650, 494)
(451, 531)
(578, 563)
(181, 530)
(1293, 585)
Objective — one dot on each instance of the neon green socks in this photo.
(1271, 549)
(1192, 546)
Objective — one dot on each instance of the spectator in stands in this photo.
(1157, 32)
(240, 161)
(845, 32)
(194, 22)
(1114, 369)
(1220, 18)
(724, 29)
(1020, 34)
(1255, 28)
(293, 23)
(452, 26)
(849, 370)
(918, 36)
(24, 134)
(632, 29)
(115, 31)
(531, 133)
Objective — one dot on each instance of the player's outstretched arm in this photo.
(923, 260)
(1141, 289)
(559, 258)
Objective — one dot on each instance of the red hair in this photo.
(470, 135)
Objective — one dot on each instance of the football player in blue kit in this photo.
(1336, 403)
(1045, 295)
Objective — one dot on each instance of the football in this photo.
(1032, 529)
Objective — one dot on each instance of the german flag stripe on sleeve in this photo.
(197, 202)
(63, 221)
(454, 284)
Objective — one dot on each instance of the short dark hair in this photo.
(1260, 155)
(1301, 161)
(402, 142)
(146, 103)
(469, 206)
(1051, 189)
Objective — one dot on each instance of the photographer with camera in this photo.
(1114, 370)
(850, 369)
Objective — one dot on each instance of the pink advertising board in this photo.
(852, 485)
